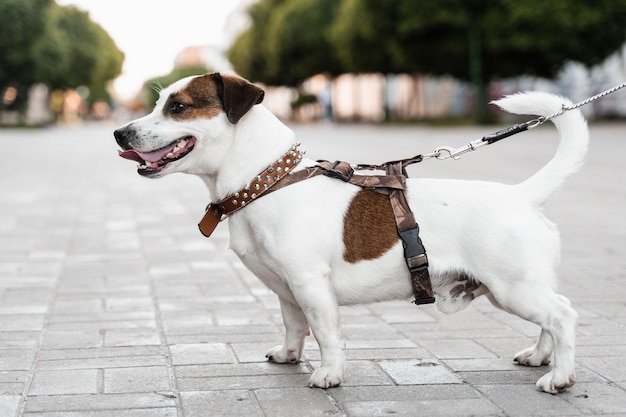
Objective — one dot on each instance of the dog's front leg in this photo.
(296, 329)
(317, 300)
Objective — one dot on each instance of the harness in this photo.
(392, 184)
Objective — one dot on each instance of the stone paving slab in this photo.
(112, 304)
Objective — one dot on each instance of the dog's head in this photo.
(190, 117)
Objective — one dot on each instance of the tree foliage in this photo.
(532, 37)
(249, 53)
(22, 23)
(288, 41)
(513, 38)
(42, 42)
(357, 36)
(472, 40)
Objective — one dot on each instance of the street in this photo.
(113, 304)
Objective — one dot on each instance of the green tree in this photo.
(108, 65)
(91, 57)
(480, 40)
(472, 40)
(364, 33)
(22, 23)
(51, 52)
(42, 42)
(248, 54)
(287, 43)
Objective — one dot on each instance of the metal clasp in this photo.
(536, 122)
(445, 152)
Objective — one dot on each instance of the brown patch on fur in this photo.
(200, 99)
(369, 227)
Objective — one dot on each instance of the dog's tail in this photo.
(572, 148)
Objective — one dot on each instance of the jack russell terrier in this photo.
(323, 243)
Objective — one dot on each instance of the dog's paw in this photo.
(325, 377)
(554, 382)
(532, 357)
(280, 354)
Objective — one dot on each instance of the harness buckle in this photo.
(414, 251)
(340, 170)
(417, 263)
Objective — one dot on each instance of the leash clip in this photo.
(455, 153)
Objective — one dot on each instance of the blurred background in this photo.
(67, 61)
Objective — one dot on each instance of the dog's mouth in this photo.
(154, 161)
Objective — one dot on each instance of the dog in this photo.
(323, 243)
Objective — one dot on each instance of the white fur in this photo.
(292, 239)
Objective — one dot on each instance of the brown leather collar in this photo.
(263, 182)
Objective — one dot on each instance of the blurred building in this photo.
(373, 97)
(214, 56)
(378, 97)
(209, 56)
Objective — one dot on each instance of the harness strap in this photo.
(343, 171)
(408, 230)
(394, 185)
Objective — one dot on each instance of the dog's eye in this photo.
(177, 107)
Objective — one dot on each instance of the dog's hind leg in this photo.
(562, 327)
(296, 329)
(536, 355)
(540, 353)
(557, 319)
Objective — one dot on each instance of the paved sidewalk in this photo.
(112, 303)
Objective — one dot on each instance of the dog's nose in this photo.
(122, 136)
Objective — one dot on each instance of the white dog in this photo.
(321, 243)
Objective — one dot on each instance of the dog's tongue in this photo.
(153, 156)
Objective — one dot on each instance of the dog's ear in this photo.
(237, 95)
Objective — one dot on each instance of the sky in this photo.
(152, 32)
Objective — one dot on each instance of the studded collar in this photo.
(263, 182)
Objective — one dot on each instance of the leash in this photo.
(445, 152)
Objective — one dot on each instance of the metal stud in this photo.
(234, 202)
(245, 195)
(253, 196)
(257, 186)
(279, 169)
